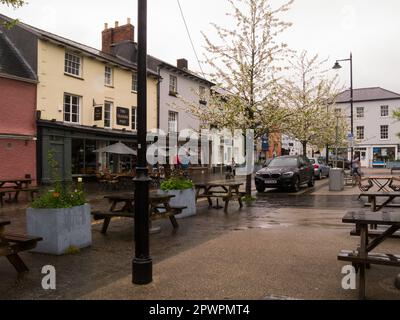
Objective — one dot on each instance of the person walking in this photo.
(356, 168)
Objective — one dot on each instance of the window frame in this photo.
(381, 133)
(134, 118)
(358, 113)
(109, 104)
(176, 120)
(387, 110)
(360, 134)
(71, 105)
(134, 84)
(173, 85)
(110, 77)
(69, 68)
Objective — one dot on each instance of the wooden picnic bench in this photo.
(12, 244)
(227, 191)
(372, 199)
(16, 191)
(159, 209)
(363, 256)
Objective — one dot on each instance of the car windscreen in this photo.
(283, 162)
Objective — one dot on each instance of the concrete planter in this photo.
(60, 228)
(183, 198)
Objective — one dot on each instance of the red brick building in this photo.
(17, 114)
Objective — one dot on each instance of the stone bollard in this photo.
(397, 282)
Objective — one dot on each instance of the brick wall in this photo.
(17, 107)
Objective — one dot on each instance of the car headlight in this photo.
(288, 174)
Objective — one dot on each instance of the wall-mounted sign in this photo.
(123, 116)
(98, 113)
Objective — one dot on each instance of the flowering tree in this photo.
(245, 62)
(14, 4)
(309, 95)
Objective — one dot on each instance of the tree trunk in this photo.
(249, 181)
(304, 148)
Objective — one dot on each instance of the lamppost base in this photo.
(142, 271)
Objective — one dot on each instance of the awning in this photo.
(118, 148)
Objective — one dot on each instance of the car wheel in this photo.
(260, 189)
(320, 175)
(297, 185)
(311, 183)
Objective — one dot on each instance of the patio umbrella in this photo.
(118, 148)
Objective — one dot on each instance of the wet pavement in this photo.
(283, 219)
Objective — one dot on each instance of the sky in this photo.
(368, 28)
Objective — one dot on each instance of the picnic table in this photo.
(381, 182)
(159, 208)
(16, 186)
(12, 244)
(226, 191)
(363, 257)
(373, 196)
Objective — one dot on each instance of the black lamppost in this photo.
(336, 67)
(142, 265)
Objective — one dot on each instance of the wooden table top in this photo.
(4, 223)
(222, 184)
(131, 196)
(378, 218)
(16, 180)
(380, 177)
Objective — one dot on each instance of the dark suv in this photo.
(289, 172)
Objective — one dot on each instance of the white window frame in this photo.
(134, 118)
(382, 131)
(134, 82)
(360, 115)
(386, 110)
(110, 105)
(73, 64)
(71, 105)
(108, 76)
(173, 84)
(173, 117)
(360, 132)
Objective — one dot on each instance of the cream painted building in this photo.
(86, 98)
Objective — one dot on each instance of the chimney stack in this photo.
(116, 35)
(182, 64)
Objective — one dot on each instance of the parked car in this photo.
(340, 162)
(288, 172)
(321, 169)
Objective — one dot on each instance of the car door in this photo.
(302, 170)
(324, 168)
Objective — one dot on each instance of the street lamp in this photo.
(142, 265)
(337, 66)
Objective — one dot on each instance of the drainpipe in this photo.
(159, 98)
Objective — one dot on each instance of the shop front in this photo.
(74, 150)
(383, 155)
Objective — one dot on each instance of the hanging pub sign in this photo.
(123, 116)
(98, 113)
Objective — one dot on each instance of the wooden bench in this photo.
(12, 244)
(162, 214)
(4, 191)
(373, 234)
(372, 197)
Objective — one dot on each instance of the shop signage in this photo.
(98, 113)
(123, 116)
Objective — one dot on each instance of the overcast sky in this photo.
(368, 28)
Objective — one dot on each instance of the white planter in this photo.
(183, 198)
(60, 228)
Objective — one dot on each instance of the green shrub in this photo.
(59, 196)
(177, 183)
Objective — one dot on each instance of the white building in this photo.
(291, 146)
(375, 128)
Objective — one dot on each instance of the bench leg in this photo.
(18, 264)
(362, 282)
(105, 225)
(226, 206)
(174, 222)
